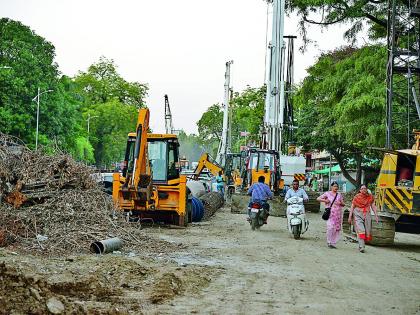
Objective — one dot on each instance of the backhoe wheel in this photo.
(383, 232)
(296, 232)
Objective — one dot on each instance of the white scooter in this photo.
(297, 223)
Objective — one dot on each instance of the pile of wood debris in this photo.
(50, 204)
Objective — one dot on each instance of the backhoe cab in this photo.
(151, 187)
(260, 162)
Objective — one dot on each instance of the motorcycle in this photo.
(257, 215)
(297, 223)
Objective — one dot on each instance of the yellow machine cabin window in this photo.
(163, 157)
(406, 165)
(129, 157)
(258, 161)
(158, 159)
(173, 170)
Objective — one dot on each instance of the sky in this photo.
(178, 47)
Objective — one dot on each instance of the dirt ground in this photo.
(220, 267)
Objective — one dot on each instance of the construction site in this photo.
(292, 198)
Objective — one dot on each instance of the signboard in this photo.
(244, 133)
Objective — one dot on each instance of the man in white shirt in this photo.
(296, 192)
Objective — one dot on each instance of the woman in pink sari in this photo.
(334, 200)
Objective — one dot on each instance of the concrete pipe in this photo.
(106, 246)
(196, 187)
(212, 202)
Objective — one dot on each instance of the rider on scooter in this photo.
(260, 193)
(296, 192)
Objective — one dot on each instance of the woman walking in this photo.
(360, 210)
(335, 201)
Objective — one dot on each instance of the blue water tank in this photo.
(197, 209)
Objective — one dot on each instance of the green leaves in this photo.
(344, 95)
(102, 83)
(101, 91)
(247, 112)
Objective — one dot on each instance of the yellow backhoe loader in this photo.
(151, 187)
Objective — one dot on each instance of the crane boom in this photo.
(223, 148)
(169, 127)
(274, 102)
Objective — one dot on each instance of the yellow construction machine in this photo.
(398, 194)
(151, 187)
(261, 162)
(205, 163)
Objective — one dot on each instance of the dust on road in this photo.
(268, 272)
(220, 267)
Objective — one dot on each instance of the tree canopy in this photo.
(26, 64)
(355, 13)
(247, 112)
(341, 105)
(102, 83)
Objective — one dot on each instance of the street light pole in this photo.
(88, 123)
(37, 114)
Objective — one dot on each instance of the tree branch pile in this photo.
(50, 204)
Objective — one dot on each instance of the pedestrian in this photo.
(360, 211)
(220, 184)
(335, 201)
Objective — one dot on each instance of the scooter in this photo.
(257, 215)
(297, 223)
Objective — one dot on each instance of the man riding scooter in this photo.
(297, 222)
(260, 193)
(296, 192)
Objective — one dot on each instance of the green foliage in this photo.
(83, 150)
(109, 129)
(102, 83)
(247, 112)
(31, 61)
(341, 104)
(354, 13)
(248, 115)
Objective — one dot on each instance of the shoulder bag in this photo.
(327, 211)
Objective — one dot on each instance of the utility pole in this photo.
(37, 114)
(88, 123)
(223, 148)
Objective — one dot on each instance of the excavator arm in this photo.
(204, 162)
(141, 162)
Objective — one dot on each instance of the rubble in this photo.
(50, 204)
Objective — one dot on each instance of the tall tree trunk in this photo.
(346, 174)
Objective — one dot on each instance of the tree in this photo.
(341, 105)
(114, 101)
(27, 63)
(355, 13)
(109, 130)
(247, 113)
(102, 83)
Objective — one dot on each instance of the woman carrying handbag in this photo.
(333, 200)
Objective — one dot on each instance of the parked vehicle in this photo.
(297, 223)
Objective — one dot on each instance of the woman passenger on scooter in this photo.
(334, 200)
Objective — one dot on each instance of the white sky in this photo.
(178, 47)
